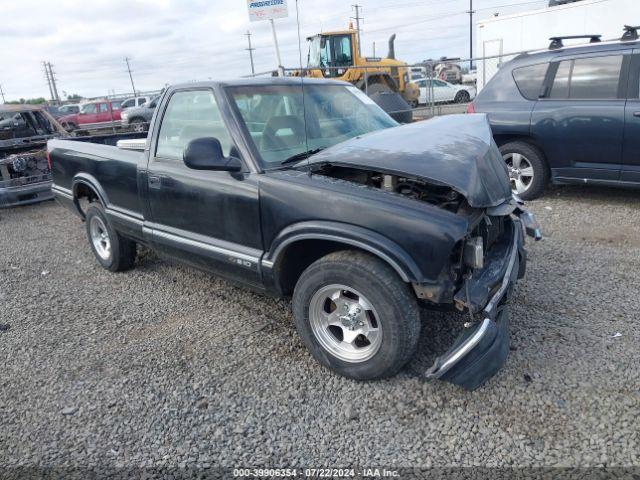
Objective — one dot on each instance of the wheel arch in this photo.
(87, 186)
(503, 139)
(301, 245)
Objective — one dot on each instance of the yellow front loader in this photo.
(386, 80)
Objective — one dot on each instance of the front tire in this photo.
(356, 316)
(528, 170)
(138, 125)
(112, 250)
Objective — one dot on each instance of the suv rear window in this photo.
(588, 78)
(529, 79)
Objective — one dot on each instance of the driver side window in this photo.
(89, 108)
(190, 115)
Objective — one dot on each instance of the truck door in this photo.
(580, 121)
(209, 219)
(88, 114)
(631, 147)
(104, 114)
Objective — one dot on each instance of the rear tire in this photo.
(356, 316)
(113, 251)
(523, 158)
(462, 97)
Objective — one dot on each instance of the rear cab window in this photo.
(190, 115)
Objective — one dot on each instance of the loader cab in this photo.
(332, 53)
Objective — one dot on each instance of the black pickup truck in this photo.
(310, 190)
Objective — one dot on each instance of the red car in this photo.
(93, 115)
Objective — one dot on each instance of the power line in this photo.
(126, 59)
(250, 49)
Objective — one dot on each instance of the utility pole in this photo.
(250, 49)
(357, 19)
(374, 49)
(126, 59)
(46, 74)
(471, 12)
(52, 77)
(2, 94)
(277, 47)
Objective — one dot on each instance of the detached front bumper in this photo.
(479, 352)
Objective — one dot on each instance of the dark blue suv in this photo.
(568, 114)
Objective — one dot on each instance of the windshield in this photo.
(274, 117)
(314, 60)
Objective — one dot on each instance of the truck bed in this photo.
(88, 158)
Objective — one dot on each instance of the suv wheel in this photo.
(113, 251)
(528, 171)
(356, 316)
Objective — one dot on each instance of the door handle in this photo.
(636, 114)
(154, 181)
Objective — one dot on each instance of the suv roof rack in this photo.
(630, 33)
(556, 42)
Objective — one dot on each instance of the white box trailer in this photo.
(504, 36)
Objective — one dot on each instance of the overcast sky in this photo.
(170, 41)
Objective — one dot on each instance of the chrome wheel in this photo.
(520, 172)
(345, 323)
(100, 238)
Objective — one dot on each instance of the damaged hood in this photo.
(453, 150)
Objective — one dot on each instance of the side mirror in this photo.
(206, 154)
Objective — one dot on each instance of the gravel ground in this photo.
(165, 366)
